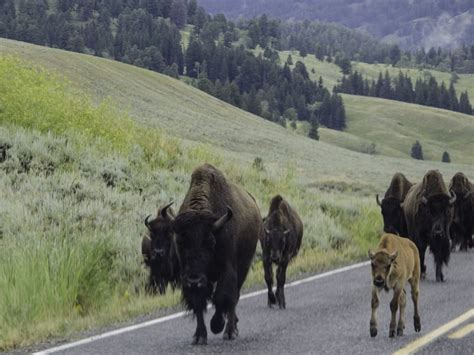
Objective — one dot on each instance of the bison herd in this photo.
(207, 247)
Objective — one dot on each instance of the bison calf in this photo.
(395, 262)
(283, 231)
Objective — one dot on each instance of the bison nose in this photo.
(379, 281)
(157, 252)
(196, 280)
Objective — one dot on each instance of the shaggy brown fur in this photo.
(463, 217)
(281, 241)
(395, 262)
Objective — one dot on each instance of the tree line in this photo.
(425, 91)
(146, 33)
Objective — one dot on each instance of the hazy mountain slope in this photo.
(412, 23)
(186, 112)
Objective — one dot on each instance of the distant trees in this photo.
(417, 151)
(446, 158)
(426, 91)
(313, 130)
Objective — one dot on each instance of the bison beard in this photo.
(216, 233)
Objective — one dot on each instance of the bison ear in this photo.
(393, 256)
(453, 197)
(371, 254)
(223, 220)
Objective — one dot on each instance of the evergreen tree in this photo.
(453, 99)
(446, 158)
(464, 104)
(289, 60)
(417, 151)
(179, 13)
(313, 130)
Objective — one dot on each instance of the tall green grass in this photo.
(77, 180)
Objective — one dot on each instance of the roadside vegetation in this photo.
(77, 181)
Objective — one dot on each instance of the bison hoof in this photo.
(231, 335)
(423, 275)
(271, 299)
(391, 333)
(417, 323)
(282, 304)
(373, 332)
(199, 340)
(217, 323)
(399, 332)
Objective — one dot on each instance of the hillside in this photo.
(410, 23)
(188, 113)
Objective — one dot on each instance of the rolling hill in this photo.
(194, 116)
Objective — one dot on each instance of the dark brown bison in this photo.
(158, 251)
(462, 226)
(428, 209)
(394, 263)
(216, 233)
(281, 241)
(392, 212)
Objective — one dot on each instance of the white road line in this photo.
(181, 314)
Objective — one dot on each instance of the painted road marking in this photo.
(461, 333)
(424, 340)
(181, 314)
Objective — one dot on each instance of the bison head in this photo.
(392, 213)
(160, 235)
(381, 263)
(275, 238)
(439, 213)
(195, 242)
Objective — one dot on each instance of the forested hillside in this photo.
(428, 23)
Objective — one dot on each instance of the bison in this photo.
(158, 251)
(462, 226)
(395, 262)
(281, 241)
(216, 234)
(391, 205)
(428, 212)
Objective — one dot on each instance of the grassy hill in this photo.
(194, 116)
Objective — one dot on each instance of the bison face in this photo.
(439, 213)
(392, 213)
(160, 234)
(195, 241)
(275, 241)
(381, 263)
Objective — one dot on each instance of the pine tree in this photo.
(453, 98)
(446, 158)
(313, 130)
(417, 151)
(289, 60)
(178, 13)
(464, 104)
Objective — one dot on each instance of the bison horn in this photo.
(453, 198)
(286, 232)
(424, 200)
(378, 201)
(147, 223)
(223, 220)
(469, 193)
(267, 230)
(164, 210)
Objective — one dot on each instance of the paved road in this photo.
(329, 315)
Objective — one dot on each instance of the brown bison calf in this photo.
(395, 262)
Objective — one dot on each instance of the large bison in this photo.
(462, 226)
(158, 251)
(281, 241)
(216, 233)
(391, 205)
(428, 212)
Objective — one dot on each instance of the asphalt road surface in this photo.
(326, 315)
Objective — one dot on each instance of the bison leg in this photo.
(231, 331)
(267, 265)
(200, 336)
(373, 319)
(281, 278)
(439, 272)
(422, 249)
(415, 293)
(394, 309)
(401, 320)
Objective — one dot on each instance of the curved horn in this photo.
(164, 210)
(424, 200)
(467, 194)
(378, 201)
(286, 232)
(453, 198)
(223, 220)
(147, 223)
